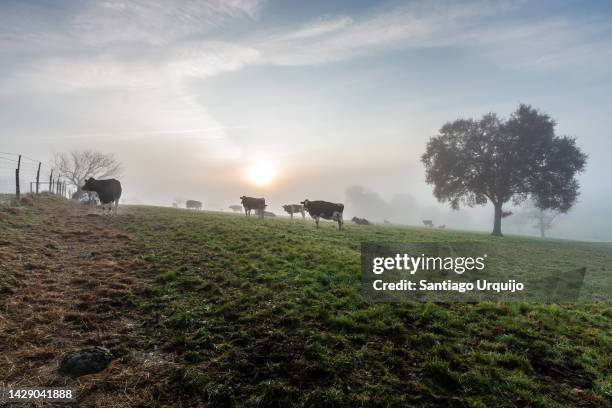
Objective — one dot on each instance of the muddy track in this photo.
(75, 280)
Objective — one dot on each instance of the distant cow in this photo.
(294, 209)
(428, 223)
(235, 208)
(361, 221)
(387, 222)
(325, 210)
(109, 192)
(266, 213)
(250, 203)
(443, 226)
(196, 205)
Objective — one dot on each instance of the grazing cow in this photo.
(196, 205)
(325, 210)
(235, 208)
(443, 226)
(361, 221)
(428, 223)
(257, 204)
(294, 209)
(266, 213)
(387, 222)
(108, 191)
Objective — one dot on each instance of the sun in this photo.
(262, 173)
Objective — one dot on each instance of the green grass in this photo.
(269, 312)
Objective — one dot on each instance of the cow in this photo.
(443, 226)
(428, 223)
(257, 204)
(361, 221)
(235, 208)
(266, 213)
(196, 205)
(325, 210)
(109, 192)
(295, 209)
(387, 222)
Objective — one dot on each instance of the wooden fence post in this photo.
(51, 182)
(37, 177)
(57, 185)
(17, 190)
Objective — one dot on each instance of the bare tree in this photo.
(542, 219)
(77, 166)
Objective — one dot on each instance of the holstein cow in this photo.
(428, 223)
(325, 210)
(294, 209)
(108, 191)
(250, 203)
(196, 205)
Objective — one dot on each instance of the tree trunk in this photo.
(497, 220)
(542, 229)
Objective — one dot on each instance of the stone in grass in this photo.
(88, 360)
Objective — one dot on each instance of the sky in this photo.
(338, 98)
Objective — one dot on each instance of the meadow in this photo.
(269, 313)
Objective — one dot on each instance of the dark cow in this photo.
(266, 213)
(428, 223)
(361, 221)
(108, 191)
(235, 208)
(325, 210)
(196, 205)
(443, 226)
(294, 209)
(250, 203)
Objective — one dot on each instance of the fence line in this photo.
(20, 174)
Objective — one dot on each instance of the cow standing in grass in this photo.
(324, 209)
(251, 203)
(109, 192)
(196, 205)
(295, 209)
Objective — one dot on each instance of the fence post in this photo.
(51, 181)
(37, 177)
(57, 185)
(17, 190)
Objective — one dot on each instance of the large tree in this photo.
(77, 166)
(472, 162)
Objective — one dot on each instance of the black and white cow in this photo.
(295, 209)
(257, 204)
(109, 192)
(325, 210)
(196, 205)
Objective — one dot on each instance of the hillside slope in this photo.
(209, 308)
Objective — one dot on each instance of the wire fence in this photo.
(20, 174)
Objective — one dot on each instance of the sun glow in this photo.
(262, 173)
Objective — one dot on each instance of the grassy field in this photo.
(269, 312)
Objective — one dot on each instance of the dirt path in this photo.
(74, 279)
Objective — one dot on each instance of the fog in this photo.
(340, 99)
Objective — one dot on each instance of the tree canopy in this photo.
(471, 162)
